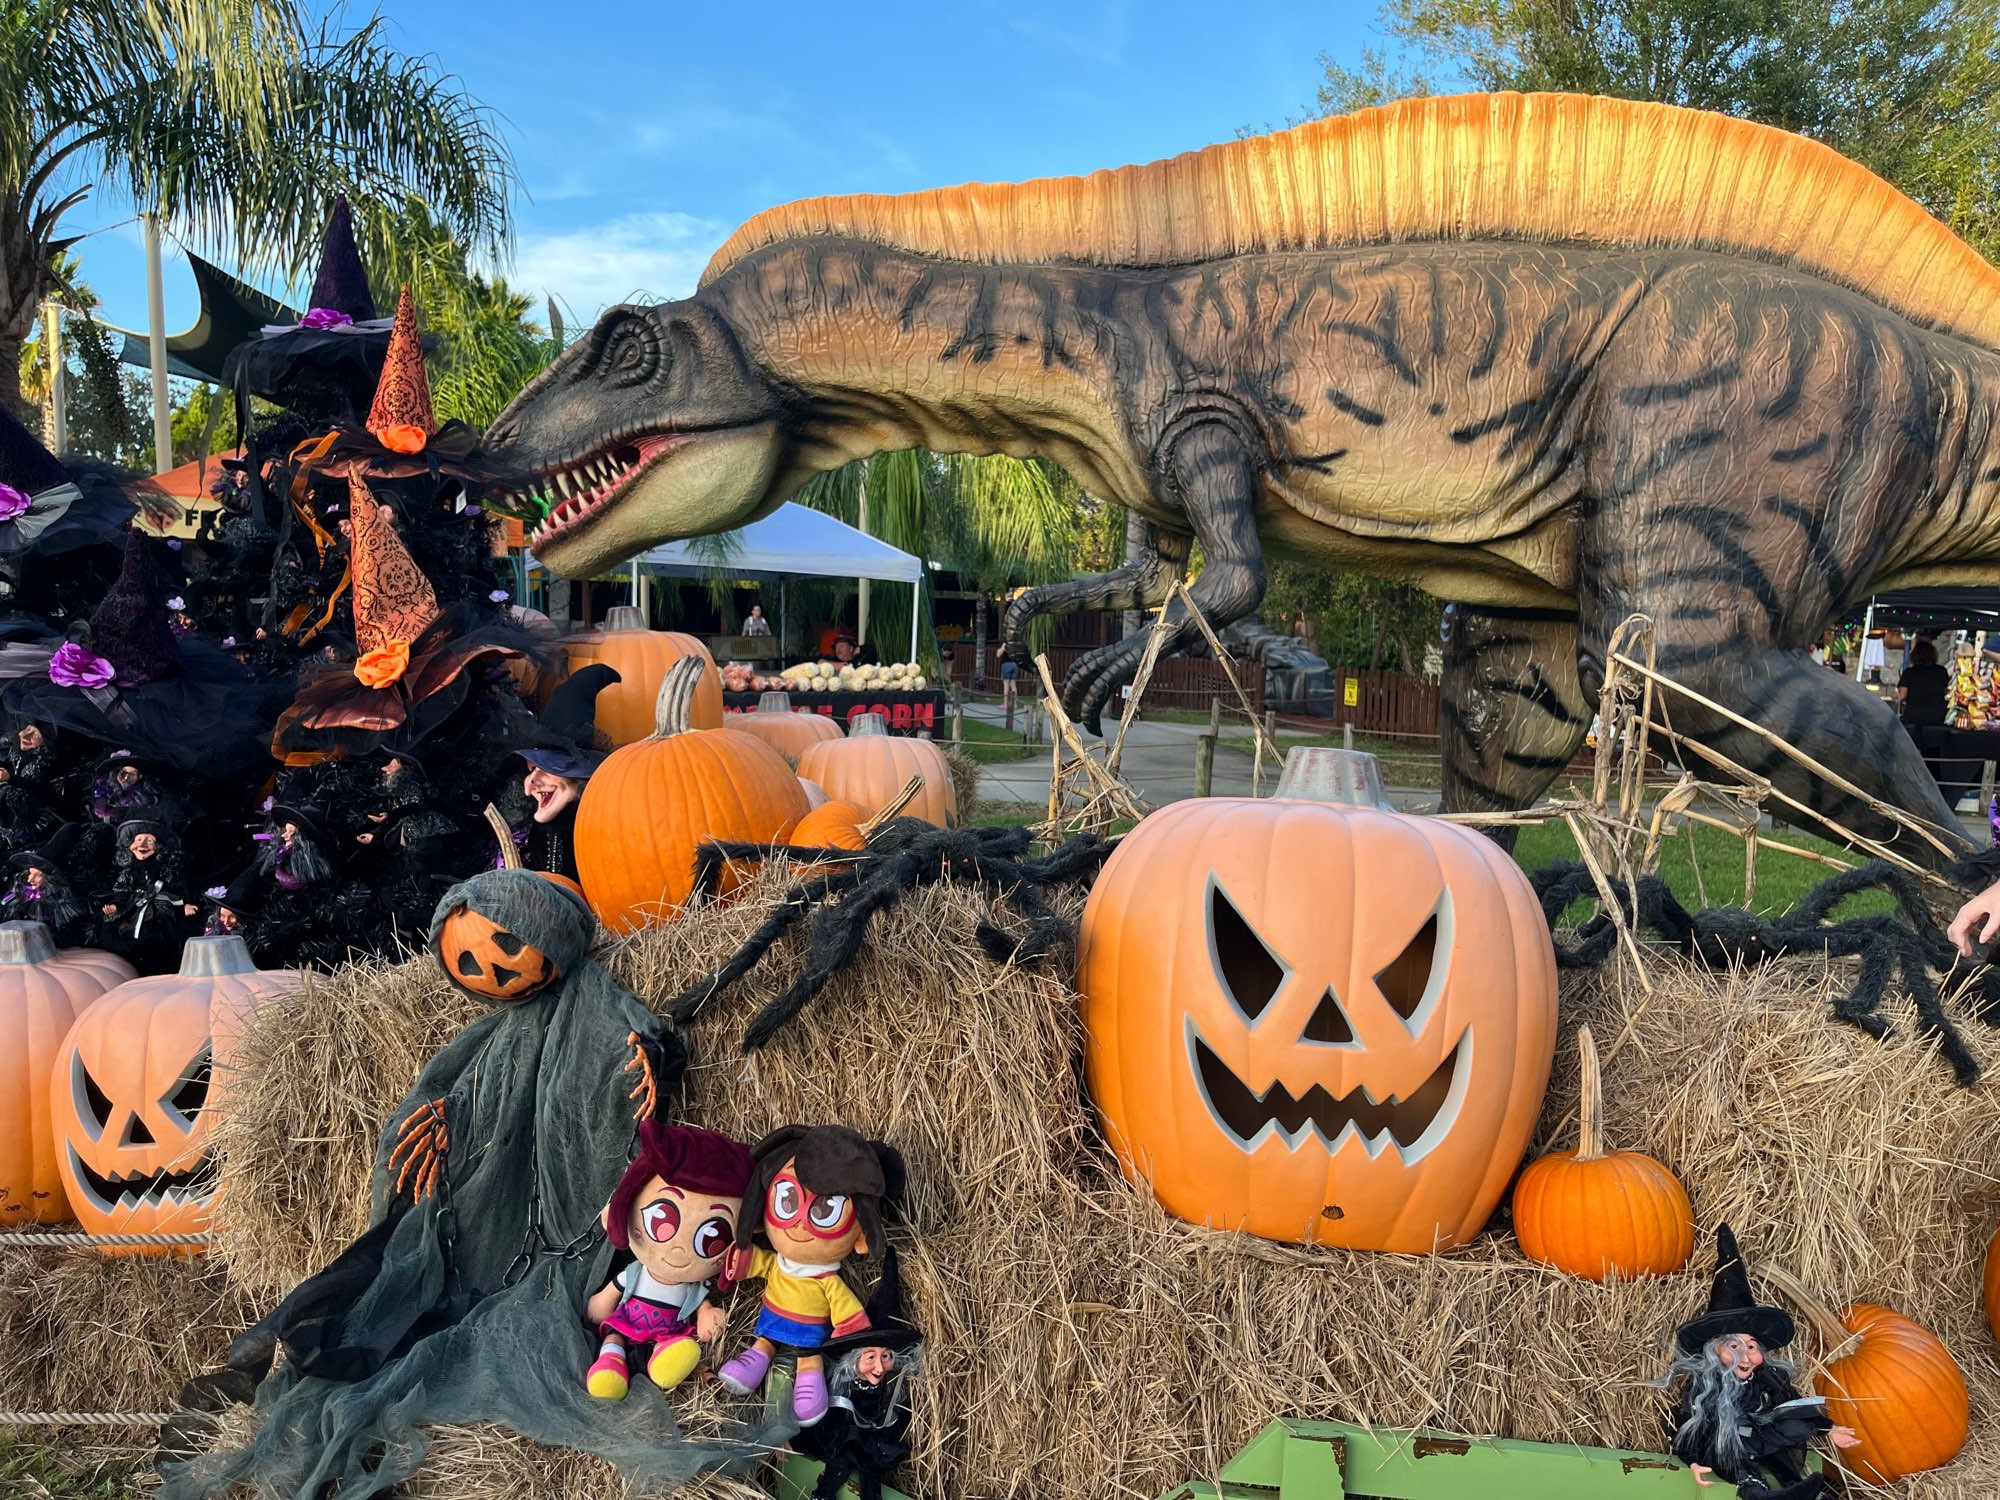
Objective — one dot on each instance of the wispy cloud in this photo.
(639, 257)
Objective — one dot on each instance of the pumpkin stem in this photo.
(25, 943)
(896, 804)
(866, 724)
(1341, 778)
(1836, 1339)
(510, 852)
(672, 709)
(1590, 1109)
(212, 957)
(774, 703)
(624, 617)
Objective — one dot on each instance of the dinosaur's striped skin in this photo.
(1568, 434)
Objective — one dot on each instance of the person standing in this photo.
(1010, 682)
(756, 624)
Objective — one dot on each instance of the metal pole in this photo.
(58, 387)
(156, 343)
(916, 598)
(861, 606)
(634, 600)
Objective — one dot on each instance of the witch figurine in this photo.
(1739, 1417)
(146, 915)
(568, 752)
(307, 914)
(30, 785)
(233, 908)
(39, 889)
(870, 1379)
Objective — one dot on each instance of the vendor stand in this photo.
(904, 713)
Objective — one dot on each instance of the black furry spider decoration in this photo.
(1908, 942)
(903, 855)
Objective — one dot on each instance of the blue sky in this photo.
(645, 132)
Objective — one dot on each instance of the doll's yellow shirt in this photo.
(819, 1298)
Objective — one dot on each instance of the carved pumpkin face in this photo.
(138, 1084)
(1324, 1024)
(487, 959)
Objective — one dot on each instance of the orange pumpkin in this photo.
(1897, 1386)
(42, 992)
(831, 825)
(1314, 1020)
(789, 733)
(1992, 1287)
(870, 767)
(489, 960)
(139, 1082)
(642, 657)
(1597, 1213)
(650, 805)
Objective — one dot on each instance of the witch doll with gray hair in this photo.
(1739, 1417)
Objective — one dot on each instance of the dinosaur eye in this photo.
(628, 350)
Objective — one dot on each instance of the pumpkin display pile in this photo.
(849, 677)
(870, 767)
(784, 729)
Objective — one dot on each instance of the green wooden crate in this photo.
(1291, 1460)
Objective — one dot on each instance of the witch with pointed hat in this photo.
(39, 889)
(566, 749)
(870, 1374)
(1740, 1418)
(147, 913)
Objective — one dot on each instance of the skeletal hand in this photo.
(418, 1155)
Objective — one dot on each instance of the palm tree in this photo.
(238, 120)
(994, 520)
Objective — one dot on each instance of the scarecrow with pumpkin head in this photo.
(1739, 1418)
(465, 1298)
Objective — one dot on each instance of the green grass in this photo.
(1782, 880)
(992, 744)
(1404, 762)
(89, 1472)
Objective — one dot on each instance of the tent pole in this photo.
(916, 594)
(861, 604)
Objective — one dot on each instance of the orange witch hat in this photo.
(393, 600)
(403, 395)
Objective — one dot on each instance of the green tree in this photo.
(102, 394)
(237, 119)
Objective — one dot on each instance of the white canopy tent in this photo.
(792, 542)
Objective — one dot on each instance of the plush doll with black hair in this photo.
(817, 1197)
(869, 1380)
(465, 1300)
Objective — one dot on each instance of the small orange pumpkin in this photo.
(652, 804)
(831, 825)
(642, 657)
(42, 992)
(487, 959)
(1993, 1285)
(789, 733)
(1311, 1018)
(140, 1081)
(1897, 1386)
(869, 767)
(1597, 1213)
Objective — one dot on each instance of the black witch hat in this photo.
(129, 627)
(52, 854)
(886, 1328)
(25, 465)
(569, 746)
(342, 283)
(243, 895)
(302, 815)
(1731, 1307)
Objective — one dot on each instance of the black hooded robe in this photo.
(463, 1308)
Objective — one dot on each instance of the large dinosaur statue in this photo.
(1557, 359)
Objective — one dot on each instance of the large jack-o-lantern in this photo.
(138, 1084)
(1317, 1021)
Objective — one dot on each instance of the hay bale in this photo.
(1083, 1344)
(96, 1333)
(964, 783)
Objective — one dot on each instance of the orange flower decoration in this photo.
(402, 437)
(383, 668)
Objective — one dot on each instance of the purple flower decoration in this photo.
(173, 544)
(325, 317)
(216, 892)
(177, 602)
(473, 510)
(267, 804)
(228, 641)
(499, 596)
(72, 666)
(12, 502)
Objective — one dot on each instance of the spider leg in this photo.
(796, 903)
(837, 935)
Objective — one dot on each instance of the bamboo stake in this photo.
(1607, 900)
(510, 852)
(1154, 639)
(1775, 845)
(1223, 659)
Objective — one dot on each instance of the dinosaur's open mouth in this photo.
(146, 1189)
(566, 496)
(1413, 1126)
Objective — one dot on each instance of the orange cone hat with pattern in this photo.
(394, 603)
(401, 418)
